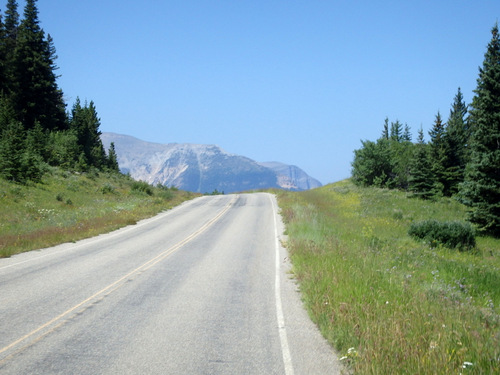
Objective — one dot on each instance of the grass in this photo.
(388, 303)
(66, 207)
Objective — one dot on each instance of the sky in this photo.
(300, 82)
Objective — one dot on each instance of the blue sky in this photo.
(301, 82)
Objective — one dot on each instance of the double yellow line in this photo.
(113, 286)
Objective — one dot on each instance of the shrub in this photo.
(107, 189)
(452, 234)
(142, 187)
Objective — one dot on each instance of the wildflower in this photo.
(467, 364)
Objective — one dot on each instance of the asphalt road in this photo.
(201, 289)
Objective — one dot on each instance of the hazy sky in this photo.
(301, 82)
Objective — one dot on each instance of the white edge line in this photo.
(285, 349)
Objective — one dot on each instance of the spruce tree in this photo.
(481, 189)
(385, 132)
(85, 124)
(438, 154)
(457, 141)
(421, 182)
(3, 51)
(113, 158)
(12, 149)
(406, 137)
(396, 131)
(35, 94)
(11, 26)
(11, 19)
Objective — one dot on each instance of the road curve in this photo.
(201, 289)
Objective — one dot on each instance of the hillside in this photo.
(202, 168)
(66, 207)
(388, 303)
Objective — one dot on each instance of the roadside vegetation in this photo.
(391, 303)
(66, 206)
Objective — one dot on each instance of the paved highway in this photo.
(200, 289)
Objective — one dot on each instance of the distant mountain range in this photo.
(202, 168)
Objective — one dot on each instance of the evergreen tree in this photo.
(35, 94)
(481, 189)
(385, 132)
(12, 152)
(64, 149)
(3, 51)
(11, 26)
(438, 154)
(113, 158)
(7, 113)
(406, 137)
(85, 123)
(401, 158)
(396, 131)
(457, 143)
(421, 181)
(11, 19)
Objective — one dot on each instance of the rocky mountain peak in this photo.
(202, 168)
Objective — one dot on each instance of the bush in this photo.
(107, 189)
(452, 234)
(142, 187)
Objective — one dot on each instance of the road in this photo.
(201, 289)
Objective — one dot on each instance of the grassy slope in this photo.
(401, 306)
(67, 207)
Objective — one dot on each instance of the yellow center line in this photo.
(150, 263)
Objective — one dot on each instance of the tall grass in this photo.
(388, 303)
(67, 207)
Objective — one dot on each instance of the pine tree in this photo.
(12, 152)
(396, 131)
(3, 51)
(113, 158)
(35, 94)
(438, 154)
(481, 189)
(11, 19)
(457, 143)
(421, 181)
(406, 137)
(11, 26)
(85, 123)
(385, 132)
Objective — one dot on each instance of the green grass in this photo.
(388, 303)
(67, 207)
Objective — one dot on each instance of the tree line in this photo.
(461, 159)
(35, 128)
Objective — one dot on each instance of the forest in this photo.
(461, 159)
(36, 130)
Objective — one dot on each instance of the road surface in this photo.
(200, 289)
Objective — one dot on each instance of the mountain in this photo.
(291, 177)
(201, 168)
